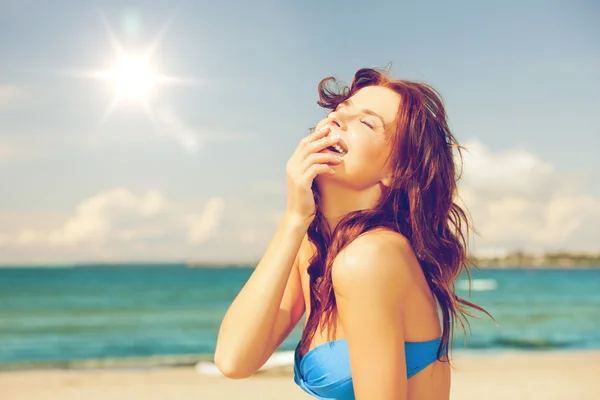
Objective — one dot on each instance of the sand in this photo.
(480, 376)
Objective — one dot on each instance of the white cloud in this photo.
(204, 225)
(98, 217)
(515, 172)
(118, 225)
(113, 224)
(519, 202)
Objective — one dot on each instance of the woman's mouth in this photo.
(340, 147)
(336, 149)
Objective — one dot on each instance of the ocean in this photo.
(150, 315)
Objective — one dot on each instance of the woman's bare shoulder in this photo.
(382, 243)
(380, 255)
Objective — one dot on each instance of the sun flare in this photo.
(133, 78)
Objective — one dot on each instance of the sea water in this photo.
(170, 314)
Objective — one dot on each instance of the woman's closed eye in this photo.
(367, 123)
(342, 105)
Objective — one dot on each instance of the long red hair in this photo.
(419, 205)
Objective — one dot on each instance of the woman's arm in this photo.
(264, 310)
(370, 282)
(267, 308)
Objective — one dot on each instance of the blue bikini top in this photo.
(324, 372)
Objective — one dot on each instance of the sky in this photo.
(195, 170)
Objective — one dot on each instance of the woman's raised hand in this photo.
(305, 164)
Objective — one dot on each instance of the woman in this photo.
(370, 247)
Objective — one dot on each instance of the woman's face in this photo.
(364, 123)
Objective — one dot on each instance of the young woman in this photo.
(370, 246)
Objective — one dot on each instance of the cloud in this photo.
(203, 226)
(104, 214)
(120, 225)
(113, 224)
(520, 202)
(517, 201)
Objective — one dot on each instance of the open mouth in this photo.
(339, 148)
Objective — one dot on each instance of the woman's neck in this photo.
(335, 201)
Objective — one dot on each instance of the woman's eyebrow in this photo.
(364, 110)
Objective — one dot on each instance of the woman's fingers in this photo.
(305, 164)
(320, 132)
(315, 170)
(319, 144)
(320, 158)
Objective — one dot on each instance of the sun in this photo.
(133, 77)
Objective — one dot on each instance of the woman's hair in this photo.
(419, 204)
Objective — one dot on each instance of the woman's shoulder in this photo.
(382, 237)
(380, 257)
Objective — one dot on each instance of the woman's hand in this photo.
(305, 164)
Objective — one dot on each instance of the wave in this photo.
(532, 344)
(478, 285)
(179, 360)
(524, 343)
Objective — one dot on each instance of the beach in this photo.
(477, 375)
(138, 332)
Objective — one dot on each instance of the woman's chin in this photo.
(325, 178)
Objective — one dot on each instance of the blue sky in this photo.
(520, 82)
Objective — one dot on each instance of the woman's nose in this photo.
(338, 120)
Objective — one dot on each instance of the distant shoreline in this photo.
(490, 266)
(487, 265)
(252, 266)
(516, 260)
(547, 260)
